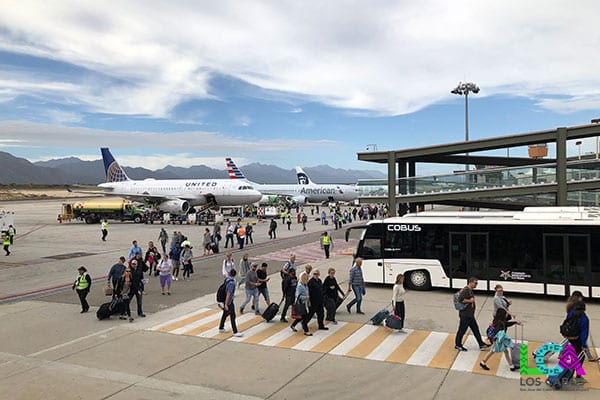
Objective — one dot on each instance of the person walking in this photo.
(163, 237)
(315, 304)
(123, 292)
(326, 243)
(467, 317)
(186, 258)
(6, 242)
(501, 302)
(241, 236)
(398, 299)
(82, 286)
(104, 230)
(229, 234)
(164, 274)
(229, 306)
(228, 264)
(11, 233)
(331, 290)
(116, 272)
(304, 220)
(249, 231)
(356, 283)
(175, 254)
(262, 283)
(137, 284)
(251, 289)
(285, 270)
(289, 221)
(289, 291)
(501, 342)
(134, 250)
(302, 298)
(273, 229)
(217, 236)
(244, 267)
(206, 242)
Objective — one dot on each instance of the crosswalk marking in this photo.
(414, 347)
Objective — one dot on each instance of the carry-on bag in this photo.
(103, 312)
(394, 322)
(108, 290)
(378, 318)
(340, 300)
(271, 311)
(515, 352)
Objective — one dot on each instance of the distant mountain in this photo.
(72, 170)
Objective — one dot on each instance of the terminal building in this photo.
(491, 181)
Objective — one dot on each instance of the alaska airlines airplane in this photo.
(301, 193)
(175, 195)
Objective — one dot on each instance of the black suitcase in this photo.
(103, 312)
(340, 300)
(271, 311)
(326, 222)
(214, 248)
(394, 322)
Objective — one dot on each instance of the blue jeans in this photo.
(251, 294)
(231, 314)
(357, 298)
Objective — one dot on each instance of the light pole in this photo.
(466, 88)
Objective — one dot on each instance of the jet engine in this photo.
(174, 206)
(298, 199)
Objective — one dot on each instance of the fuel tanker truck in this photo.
(94, 211)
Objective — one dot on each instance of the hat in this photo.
(254, 264)
(580, 305)
(82, 268)
(133, 262)
(577, 293)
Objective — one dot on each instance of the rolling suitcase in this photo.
(271, 311)
(378, 318)
(394, 322)
(214, 248)
(515, 352)
(103, 312)
(340, 300)
(557, 381)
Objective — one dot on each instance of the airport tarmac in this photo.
(49, 350)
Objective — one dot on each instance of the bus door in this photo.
(370, 250)
(469, 256)
(567, 263)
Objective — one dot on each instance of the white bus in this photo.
(545, 250)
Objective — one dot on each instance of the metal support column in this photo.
(392, 183)
(412, 185)
(402, 186)
(561, 166)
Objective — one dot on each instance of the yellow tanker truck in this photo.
(94, 211)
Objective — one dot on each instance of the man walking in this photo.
(137, 286)
(134, 250)
(11, 233)
(229, 307)
(251, 289)
(315, 294)
(326, 243)
(356, 283)
(116, 272)
(104, 230)
(163, 237)
(467, 317)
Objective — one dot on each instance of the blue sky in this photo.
(287, 83)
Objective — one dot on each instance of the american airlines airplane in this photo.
(307, 192)
(175, 196)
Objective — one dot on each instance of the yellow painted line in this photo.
(297, 337)
(446, 355)
(187, 321)
(369, 344)
(592, 374)
(331, 341)
(493, 363)
(241, 327)
(267, 333)
(406, 349)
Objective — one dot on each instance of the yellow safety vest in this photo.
(104, 225)
(6, 240)
(326, 240)
(82, 283)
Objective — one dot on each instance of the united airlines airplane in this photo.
(307, 192)
(175, 195)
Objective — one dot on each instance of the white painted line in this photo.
(389, 344)
(466, 360)
(195, 324)
(318, 336)
(427, 350)
(215, 331)
(356, 338)
(281, 336)
(181, 318)
(504, 369)
(248, 333)
(58, 346)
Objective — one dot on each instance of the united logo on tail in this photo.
(114, 173)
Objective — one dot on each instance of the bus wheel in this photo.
(419, 280)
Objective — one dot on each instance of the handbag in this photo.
(108, 290)
(300, 309)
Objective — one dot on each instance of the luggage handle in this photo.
(522, 332)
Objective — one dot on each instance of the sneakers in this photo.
(460, 348)
(222, 330)
(513, 368)
(238, 334)
(323, 328)
(484, 366)
(360, 312)
(334, 322)
(484, 346)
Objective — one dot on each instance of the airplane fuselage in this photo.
(312, 193)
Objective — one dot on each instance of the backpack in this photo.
(457, 304)
(491, 332)
(570, 327)
(222, 293)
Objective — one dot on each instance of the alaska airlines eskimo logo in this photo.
(302, 178)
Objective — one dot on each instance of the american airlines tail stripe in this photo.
(414, 347)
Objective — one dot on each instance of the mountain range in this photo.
(72, 170)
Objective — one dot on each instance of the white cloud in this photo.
(385, 57)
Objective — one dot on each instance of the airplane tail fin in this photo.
(114, 173)
(234, 171)
(303, 179)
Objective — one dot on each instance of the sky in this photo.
(288, 82)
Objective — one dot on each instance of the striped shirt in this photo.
(356, 276)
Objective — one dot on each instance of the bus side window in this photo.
(371, 248)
